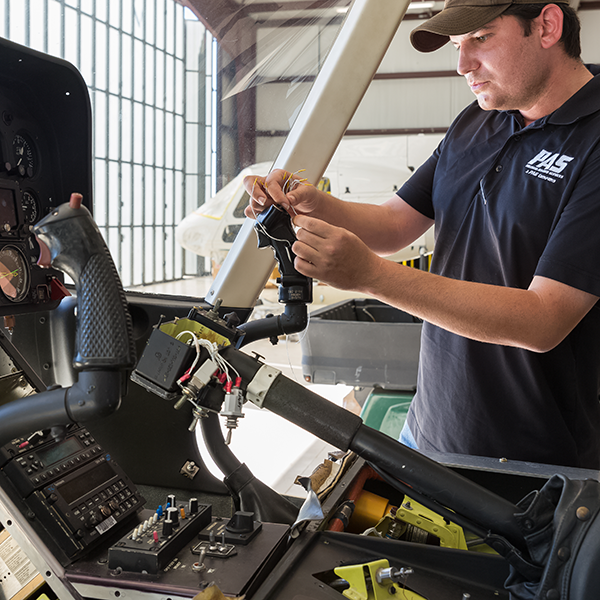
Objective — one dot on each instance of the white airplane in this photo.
(363, 169)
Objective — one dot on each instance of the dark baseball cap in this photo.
(459, 17)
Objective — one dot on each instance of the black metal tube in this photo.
(433, 505)
(436, 481)
(32, 413)
(346, 431)
(293, 320)
(96, 394)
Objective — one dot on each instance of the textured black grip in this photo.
(104, 329)
(104, 326)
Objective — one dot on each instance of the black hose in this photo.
(219, 451)
(251, 494)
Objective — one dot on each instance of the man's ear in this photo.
(550, 23)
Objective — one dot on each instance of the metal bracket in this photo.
(375, 581)
(257, 389)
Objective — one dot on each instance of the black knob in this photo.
(92, 521)
(241, 522)
(193, 506)
(167, 529)
(173, 515)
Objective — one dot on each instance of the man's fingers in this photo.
(255, 187)
(313, 226)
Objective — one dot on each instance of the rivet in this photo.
(564, 553)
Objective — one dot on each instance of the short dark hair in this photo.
(570, 39)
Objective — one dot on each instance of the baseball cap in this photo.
(459, 17)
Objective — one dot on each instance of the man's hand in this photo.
(333, 255)
(289, 190)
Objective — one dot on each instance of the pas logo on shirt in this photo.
(548, 165)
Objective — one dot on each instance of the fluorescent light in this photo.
(421, 5)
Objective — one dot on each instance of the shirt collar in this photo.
(583, 103)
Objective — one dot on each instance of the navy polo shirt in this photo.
(511, 202)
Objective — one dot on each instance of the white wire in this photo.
(213, 350)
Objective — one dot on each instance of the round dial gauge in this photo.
(14, 274)
(30, 206)
(25, 156)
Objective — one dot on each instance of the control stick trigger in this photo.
(75, 200)
(45, 258)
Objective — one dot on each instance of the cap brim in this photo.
(458, 20)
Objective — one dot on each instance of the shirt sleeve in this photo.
(572, 254)
(417, 191)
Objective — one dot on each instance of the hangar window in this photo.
(174, 88)
(238, 213)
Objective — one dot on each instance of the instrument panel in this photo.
(26, 195)
(45, 154)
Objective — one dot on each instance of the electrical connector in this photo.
(204, 373)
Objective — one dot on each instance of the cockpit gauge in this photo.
(30, 206)
(14, 274)
(25, 156)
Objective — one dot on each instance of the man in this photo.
(510, 350)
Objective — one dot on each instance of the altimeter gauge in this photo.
(14, 274)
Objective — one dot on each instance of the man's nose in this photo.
(466, 62)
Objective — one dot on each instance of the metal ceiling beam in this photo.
(273, 7)
(225, 19)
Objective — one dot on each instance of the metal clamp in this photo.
(261, 383)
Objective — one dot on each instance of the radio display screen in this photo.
(59, 451)
(88, 481)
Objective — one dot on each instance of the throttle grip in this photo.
(104, 338)
(274, 228)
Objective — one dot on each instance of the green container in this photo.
(386, 410)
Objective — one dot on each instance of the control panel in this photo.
(45, 154)
(73, 491)
(152, 544)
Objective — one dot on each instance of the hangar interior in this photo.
(148, 109)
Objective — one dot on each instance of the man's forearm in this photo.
(535, 319)
(384, 228)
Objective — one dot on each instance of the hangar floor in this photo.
(275, 450)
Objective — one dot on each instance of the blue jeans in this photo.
(406, 437)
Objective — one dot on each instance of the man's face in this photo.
(504, 69)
